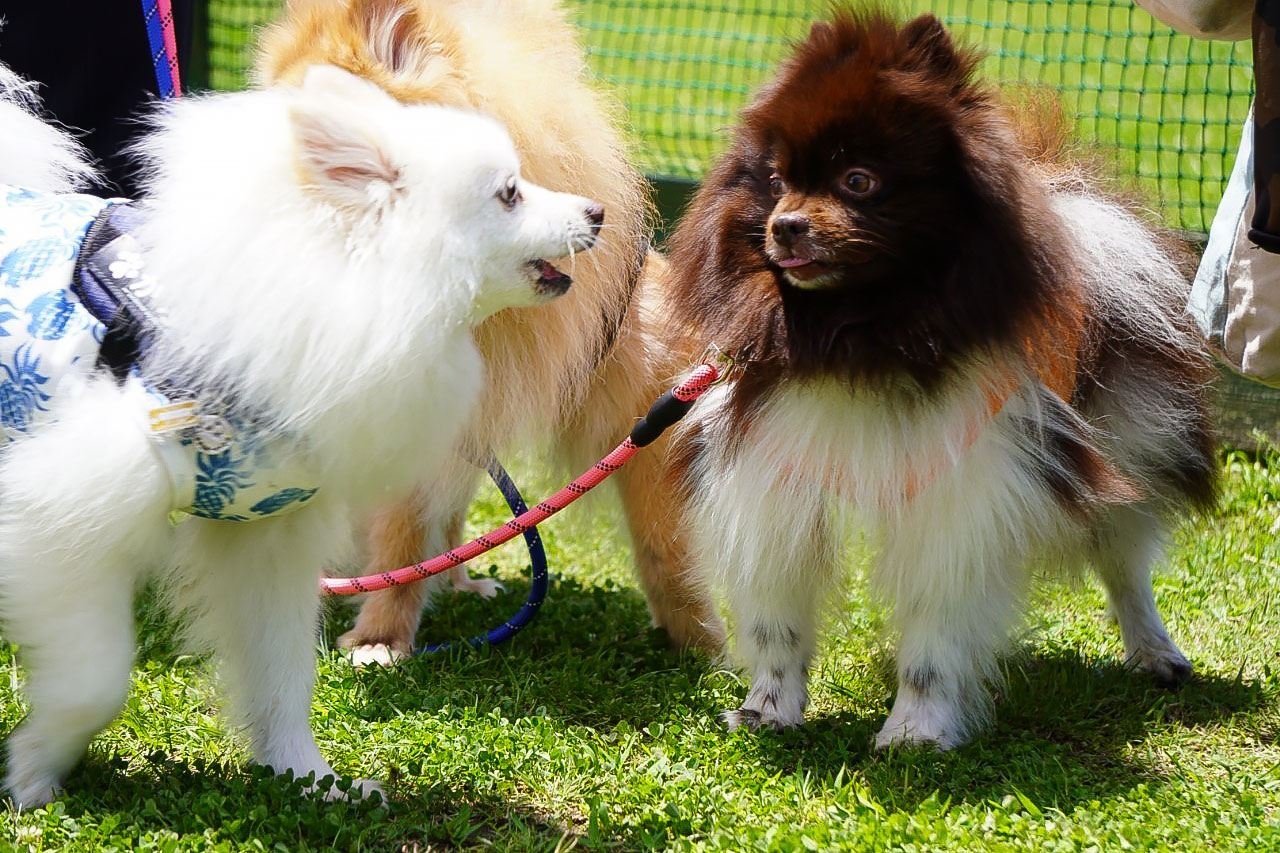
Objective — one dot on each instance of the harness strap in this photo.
(105, 272)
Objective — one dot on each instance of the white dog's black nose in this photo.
(595, 215)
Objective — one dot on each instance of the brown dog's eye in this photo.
(509, 195)
(860, 183)
(777, 186)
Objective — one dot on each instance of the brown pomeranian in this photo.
(951, 336)
(575, 373)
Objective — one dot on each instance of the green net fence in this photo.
(1167, 106)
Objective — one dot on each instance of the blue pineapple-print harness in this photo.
(72, 304)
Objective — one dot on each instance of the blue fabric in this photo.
(46, 336)
(222, 464)
(1208, 300)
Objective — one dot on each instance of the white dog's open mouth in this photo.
(550, 281)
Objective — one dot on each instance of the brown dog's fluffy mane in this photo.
(968, 258)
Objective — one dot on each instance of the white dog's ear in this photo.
(340, 153)
(330, 81)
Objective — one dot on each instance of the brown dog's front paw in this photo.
(1168, 666)
(1175, 674)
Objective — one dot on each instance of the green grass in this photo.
(586, 732)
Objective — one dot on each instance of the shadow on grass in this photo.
(1063, 735)
(590, 659)
(251, 809)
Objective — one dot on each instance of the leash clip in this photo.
(721, 361)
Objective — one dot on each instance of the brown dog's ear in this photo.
(820, 30)
(927, 45)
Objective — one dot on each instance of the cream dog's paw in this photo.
(376, 654)
(483, 587)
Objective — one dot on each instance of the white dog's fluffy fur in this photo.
(321, 253)
(32, 153)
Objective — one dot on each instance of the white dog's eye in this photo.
(509, 195)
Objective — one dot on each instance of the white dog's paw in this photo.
(483, 587)
(773, 708)
(361, 789)
(30, 787)
(32, 794)
(31, 781)
(376, 654)
(920, 721)
(1164, 661)
(333, 789)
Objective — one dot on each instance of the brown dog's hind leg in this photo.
(678, 602)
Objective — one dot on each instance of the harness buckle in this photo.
(171, 417)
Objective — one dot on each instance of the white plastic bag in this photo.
(1235, 297)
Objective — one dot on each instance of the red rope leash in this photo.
(667, 410)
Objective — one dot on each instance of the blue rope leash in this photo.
(159, 18)
(539, 577)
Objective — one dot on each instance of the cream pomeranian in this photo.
(285, 324)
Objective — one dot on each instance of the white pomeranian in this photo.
(284, 325)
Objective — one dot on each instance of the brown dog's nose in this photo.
(595, 215)
(787, 227)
